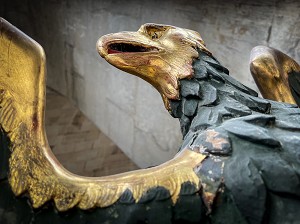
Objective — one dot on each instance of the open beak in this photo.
(115, 48)
(123, 43)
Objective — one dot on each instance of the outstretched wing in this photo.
(276, 74)
(32, 166)
(22, 99)
(22, 86)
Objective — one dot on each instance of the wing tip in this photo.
(259, 52)
(17, 35)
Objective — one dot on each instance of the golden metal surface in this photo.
(270, 69)
(33, 167)
(159, 54)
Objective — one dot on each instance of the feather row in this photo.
(7, 112)
(31, 172)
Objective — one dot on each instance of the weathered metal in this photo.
(239, 161)
(33, 169)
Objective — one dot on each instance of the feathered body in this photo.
(239, 161)
(252, 146)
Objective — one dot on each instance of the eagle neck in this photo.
(211, 97)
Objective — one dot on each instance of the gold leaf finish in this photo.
(33, 167)
(270, 69)
(159, 54)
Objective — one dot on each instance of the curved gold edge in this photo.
(33, 167)
(270, 69)
(22, 80)
(31, 172)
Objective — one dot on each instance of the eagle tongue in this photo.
(112, 51)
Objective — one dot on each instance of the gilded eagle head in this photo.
(159, 54)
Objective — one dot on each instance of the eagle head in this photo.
(159, 54)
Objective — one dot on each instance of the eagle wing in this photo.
(276, 74)
(32, 166)
(22, 85)
(22, 102)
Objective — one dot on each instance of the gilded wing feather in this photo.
(8, 112)
(276, 74)
(32, 166)
(22, 86)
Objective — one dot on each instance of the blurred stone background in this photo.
(125, 108)
(77, 142)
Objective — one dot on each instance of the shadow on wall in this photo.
(125, 108)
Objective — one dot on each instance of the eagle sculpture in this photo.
(240, 157)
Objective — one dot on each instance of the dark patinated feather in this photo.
(294, 82)
(253, 148)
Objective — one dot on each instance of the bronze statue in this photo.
(239, 161)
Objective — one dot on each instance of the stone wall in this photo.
(124, 107)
